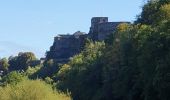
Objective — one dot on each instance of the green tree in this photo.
(49, 68)
(4, 65)
(21, 62)
(80, 76)
(150, 12)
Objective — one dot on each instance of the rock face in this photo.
(66, 46)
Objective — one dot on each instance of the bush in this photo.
(13, 78)
(49, 68)
(30, 90)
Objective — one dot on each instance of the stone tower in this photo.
(98, 20)
(101, 28)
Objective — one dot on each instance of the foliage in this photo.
(13, 78)
(21, 62)
(32, 70)
(133, 65)
(4, 65)
(48, 80)
(31, 90)
(80, 76)
(150, 12)
(49, 68)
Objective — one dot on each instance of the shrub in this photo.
(31, 90)
(13, 78)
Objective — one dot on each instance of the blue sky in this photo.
(30, 25)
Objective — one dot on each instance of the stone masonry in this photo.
(66, 46)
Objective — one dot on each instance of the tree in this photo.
(49, 68)
(4, 65)
(150, 12)
(81, 76)
(21, 62)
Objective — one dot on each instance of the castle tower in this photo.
(101, 28)
(97, 20)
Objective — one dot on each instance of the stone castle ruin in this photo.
(66, 46)
(100, 28)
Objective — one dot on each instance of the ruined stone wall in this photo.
(66, 46)
(105, 29)
(100, 28)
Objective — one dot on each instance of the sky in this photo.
(31, 25)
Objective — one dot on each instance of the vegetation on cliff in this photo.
(132, 65)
